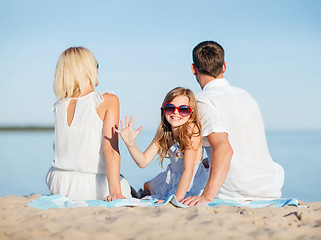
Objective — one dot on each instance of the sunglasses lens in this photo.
(169, 108)
(184, 110)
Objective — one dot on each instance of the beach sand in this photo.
(19, 221)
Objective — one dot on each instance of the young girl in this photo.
(85, 145)
(179, 137)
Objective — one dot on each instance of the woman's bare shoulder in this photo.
(110, 97)
(110, 100)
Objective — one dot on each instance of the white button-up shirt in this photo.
(253, 174)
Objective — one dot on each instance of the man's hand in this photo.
(195, 200)
(220, 165)
(113, 197)
(160, 201)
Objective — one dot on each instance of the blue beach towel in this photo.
(60, 201)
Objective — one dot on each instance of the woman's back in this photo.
(78, 146)
(87, 162)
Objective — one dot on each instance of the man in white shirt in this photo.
(241, 167)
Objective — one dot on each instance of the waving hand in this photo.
(127, 133)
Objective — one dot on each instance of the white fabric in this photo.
(78, 170)
(80, 186)
(253, 175)
(166, 183)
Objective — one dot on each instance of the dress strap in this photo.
(54, 107)
(99, 97)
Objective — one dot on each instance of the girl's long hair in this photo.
(76, 70)
(185, 132)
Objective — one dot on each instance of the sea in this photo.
(26, 156)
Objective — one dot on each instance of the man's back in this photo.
(252, 174)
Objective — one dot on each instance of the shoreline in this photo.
(36, 127)
(19, 221)
(28, 128)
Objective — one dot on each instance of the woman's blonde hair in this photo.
(76, 70)
(185, 132)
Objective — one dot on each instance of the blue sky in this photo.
(273, 50)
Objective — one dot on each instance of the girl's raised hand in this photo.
(127, 133)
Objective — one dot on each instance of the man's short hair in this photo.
(208, 58)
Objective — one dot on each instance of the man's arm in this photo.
(220, 165)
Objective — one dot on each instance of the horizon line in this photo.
(46, 127)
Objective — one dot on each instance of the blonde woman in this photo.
(86, 163)
(179, 137)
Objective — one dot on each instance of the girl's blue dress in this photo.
(165, 183)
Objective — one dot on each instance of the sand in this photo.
(19, 221)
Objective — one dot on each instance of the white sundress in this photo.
(78, 169)
(166, 183)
